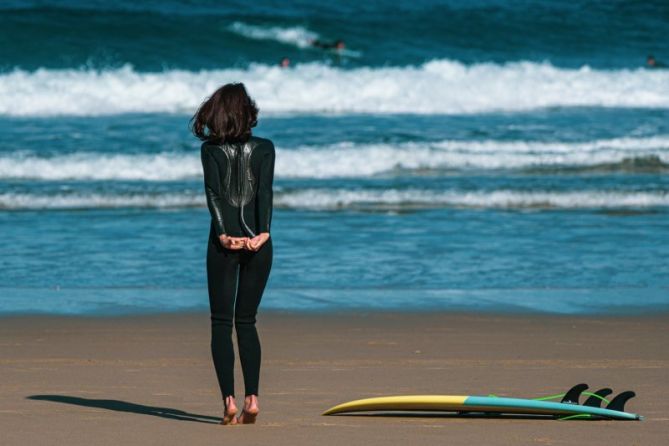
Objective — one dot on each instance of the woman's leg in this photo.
(253, 274)
(222, 266)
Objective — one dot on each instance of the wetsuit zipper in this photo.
(242, 178)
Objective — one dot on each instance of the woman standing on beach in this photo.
(238, 174)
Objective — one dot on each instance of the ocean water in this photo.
(460, 155)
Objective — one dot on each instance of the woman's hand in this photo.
(255, 243)
(233, 242)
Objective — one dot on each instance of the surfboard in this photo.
(567, 408)
(347, 53)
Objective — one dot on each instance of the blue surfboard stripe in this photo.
(550, 406)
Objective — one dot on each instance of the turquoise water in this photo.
(485, 156)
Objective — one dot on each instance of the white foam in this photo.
(24, 201)
(499, 199)
(361, 160)
(164, 166)
(437, 87)
(361, 199)
(345, 159)
(293, 35)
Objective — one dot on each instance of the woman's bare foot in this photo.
(250, 410)
(230, 411)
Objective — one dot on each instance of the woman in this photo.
(238, 174)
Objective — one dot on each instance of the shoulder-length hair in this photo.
(226, 116)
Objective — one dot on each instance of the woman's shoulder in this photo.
(265, 144)
(207, 145)
(260, 145)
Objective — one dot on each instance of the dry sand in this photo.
(148, 380)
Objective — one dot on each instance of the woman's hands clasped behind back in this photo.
(249, 243)
(232, 242)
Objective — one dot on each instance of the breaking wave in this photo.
(348, 159)
(352, 199)
(438, 87)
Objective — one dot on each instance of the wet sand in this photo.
(144, 380)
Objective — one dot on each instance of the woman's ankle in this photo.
(229, 401)
(251, 402)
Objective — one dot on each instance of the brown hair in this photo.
(226, 116)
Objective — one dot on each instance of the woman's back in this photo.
(238, 183)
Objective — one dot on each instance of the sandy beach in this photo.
(148, 379)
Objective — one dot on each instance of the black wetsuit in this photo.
(238, 185)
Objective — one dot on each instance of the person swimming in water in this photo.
(651, 62)
(337, 45)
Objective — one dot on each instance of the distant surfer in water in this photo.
(651, 62)
(284, 63)
(238, 174)
(337, 45)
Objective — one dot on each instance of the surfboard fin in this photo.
(573, 394)
(595, 400)
(618, 403)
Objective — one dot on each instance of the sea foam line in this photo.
(401, 199)
(346, 159)
(292, 35)
(352, 199)
(437, 87)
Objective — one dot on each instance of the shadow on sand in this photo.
(124, 406)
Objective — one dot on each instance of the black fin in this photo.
(618, 403)
(593, 401)
(572, 396)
